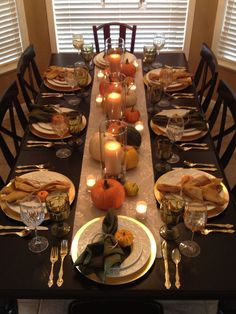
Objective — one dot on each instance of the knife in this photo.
(165, 257)
(23, 227)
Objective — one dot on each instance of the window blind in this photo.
(167, 16)
(10, 39)
(226, 48)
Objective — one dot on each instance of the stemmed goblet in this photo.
(175, 131)
(195, 218)
(58, 207)
(166, 78)
(32, 214)
(82, 76)
(159, 43)
(72, 80)
(75, 123)
(60, 127)
(149, 55)
(163, 149)
(87, 54)
(77, 41)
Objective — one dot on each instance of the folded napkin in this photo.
(192, 119)
(41, 113)
(99, 257)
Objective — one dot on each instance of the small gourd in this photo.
(124, 237)
(132, 115)
(133, 137)
(128, 68)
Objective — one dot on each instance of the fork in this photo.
(207, 231)
(192, 164)
(48, 145)
(39, 166)
(63, 253)
(53, 260)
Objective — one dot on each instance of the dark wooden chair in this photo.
(222, 123)
(206, 76)
(29, 76)
(118, 306)
(125, 31)
(12, 122)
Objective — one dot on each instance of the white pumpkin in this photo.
(94, 147)
(130, 98)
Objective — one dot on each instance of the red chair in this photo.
(126, 32)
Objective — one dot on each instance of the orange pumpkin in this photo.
(128, 68)
(107, 193)
(132, 115)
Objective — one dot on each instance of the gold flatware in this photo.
(207, 231)
(185, 148)
(57, 95)
(227, 226)
(45, 142)
(193, 164)
(23, 233)
(184, 107)
(206, 169)
(193, 144)
(53, 260)
(176, 257)
(165, 257)
(63, 253)
(22, 227)
(182, 97)
(185, 94)
(30, 170)
(39, 166)
(48, 145)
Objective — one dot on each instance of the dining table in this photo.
(210, 275)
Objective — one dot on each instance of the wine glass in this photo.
(60, 127)
(82, 76)
(58, 207)
(32, 214)
(71, 79)
(77, 41)
(163, 149)
(171, 210)
(149, 55)
(195, 218)
(154, 95)
(159, 43)
(165, 79)
(175, 131)
(87, 53)
(75, 123)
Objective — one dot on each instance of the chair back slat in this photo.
(29, 76)
(106, 30)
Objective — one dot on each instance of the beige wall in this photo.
(203, 28)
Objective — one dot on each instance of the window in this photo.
(224, 42)
(173, 17)
(13, 34)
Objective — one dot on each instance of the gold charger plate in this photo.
(123, 279)
(174, 176)
(46, 134)
(39, 175)
(187, 137)
(61, 88)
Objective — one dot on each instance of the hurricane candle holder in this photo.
(113, 140)
(114, 53)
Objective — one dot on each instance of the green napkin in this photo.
(193, 119)
(99, 257)
(41, 113)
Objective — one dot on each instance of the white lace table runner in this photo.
(142, 175)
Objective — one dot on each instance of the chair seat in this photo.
(118, 306)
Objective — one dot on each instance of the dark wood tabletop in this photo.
(211, 275)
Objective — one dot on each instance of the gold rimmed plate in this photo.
(173, 178)
(137, 264)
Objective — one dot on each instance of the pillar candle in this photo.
(114, 61)
(114, 105)
(113, 157)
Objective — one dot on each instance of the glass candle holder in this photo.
(113, 140)
(114, 53)
(90, 181)
(139, 126)
(141, 210)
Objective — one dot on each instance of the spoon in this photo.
(23, 233)
(176, 257)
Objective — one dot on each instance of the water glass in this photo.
(159, 43)
(195, 218)
(163, 152)
(77, 41)
(149, 55)
(166, 78)
(82, 77)
(71, 79)
(32, 214)
(87, 54)
(175, 131)
(75, 124)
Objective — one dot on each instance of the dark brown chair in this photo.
(222, 123)
(206, 76)
(28, 75)
(12, 123)
(125, 31)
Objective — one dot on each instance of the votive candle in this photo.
(100, 75)
(139, 126)
(90, 181)
(99, 99)
(141, 210)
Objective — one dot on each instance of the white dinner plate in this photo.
(45, 177)
(144, 247)
(173, 178)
